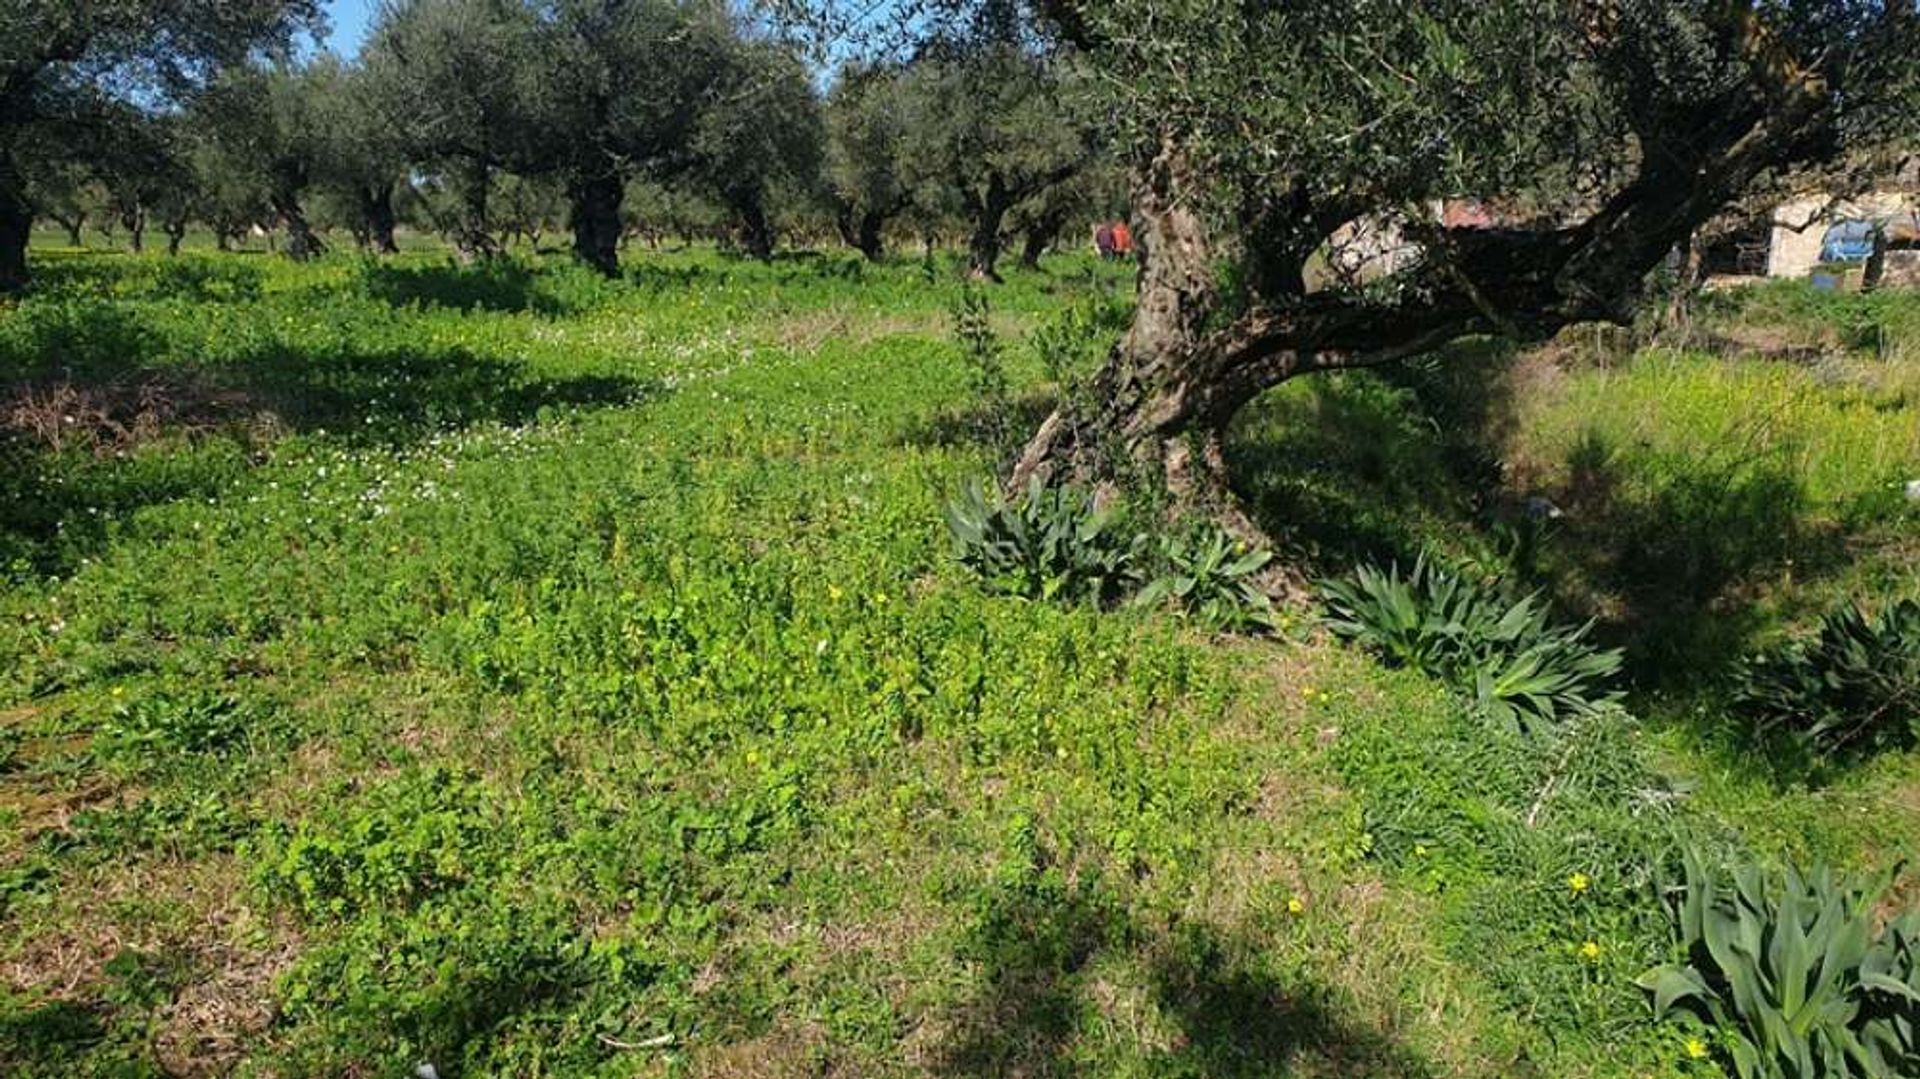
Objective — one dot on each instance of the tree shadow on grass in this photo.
(193, 278)
(1213, 1008)
(1003, 427)
(87, 446)
(498, 284)
(1673, 559)
(1675, 556)
(54, 1035)
(1379, 466)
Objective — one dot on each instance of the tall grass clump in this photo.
(1851, 688)
(1045, 543)
(1788, 973)
(1522, 669)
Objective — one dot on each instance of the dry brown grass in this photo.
(112, 417)
(192, 913)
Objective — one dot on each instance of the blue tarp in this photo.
(1848, 241)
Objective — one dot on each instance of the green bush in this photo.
(1049, 543)
(1210, 576)
(1079, 337)
(1853, 688)
(1520, 667)
(1788, 971)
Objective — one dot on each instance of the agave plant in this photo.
(1790, 972)
(1048, 543)
(1854, 687)
(1210, 577)
(1521, 668)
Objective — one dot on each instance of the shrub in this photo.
(1209, 576)
(1788, 971)
(1079, 337)
(986, 366)
(1044, 544)
(1854, 687)
(1520, 667)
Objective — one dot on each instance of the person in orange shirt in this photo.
(1122, 239)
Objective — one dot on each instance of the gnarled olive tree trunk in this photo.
(377, 217)
(302, 242)
(1157, 413)
(595, 217)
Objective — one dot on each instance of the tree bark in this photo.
(756, 233)
(16, 226)
(377, 217)
(989, 214)
(596, 222)
(1686, 283)
(302, 244)
(136, 223)
(1041, 233)
(472, 240)
(1145, 425)
(1876, 267)
(176, 232)
(1158, 411)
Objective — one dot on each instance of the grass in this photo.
(535, 675)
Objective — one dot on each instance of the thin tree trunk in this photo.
(1876, 267)
(596, 222)
(71, 225)
(1040, 235)
(1686, 284)
(176, 232)
(471, 240)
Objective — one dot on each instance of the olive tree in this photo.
(1609, 129)
(759, 132)
(462, 83)
(988, 118)
(66, 64)
(624, 87)
(866, 169)
(267, 123)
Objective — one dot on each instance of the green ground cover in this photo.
(536, 675)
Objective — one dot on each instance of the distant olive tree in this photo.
(988, 118)
(760, 135)
(65, 66)
(866, 166)
(462, 84)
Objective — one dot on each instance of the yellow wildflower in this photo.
(833, 591)
(1296, 905)
(1696, 1049)
(1590, 951)
(1419, 850)
(1579, 882)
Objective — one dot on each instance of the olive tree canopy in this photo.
(64, 64)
